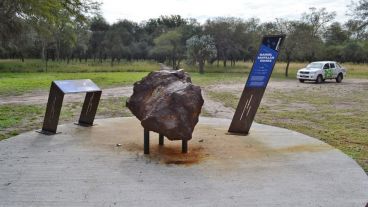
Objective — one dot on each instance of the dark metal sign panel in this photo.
(76, 86)
(256, 84)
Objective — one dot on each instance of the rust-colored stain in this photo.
(209, 144)
(169, 154)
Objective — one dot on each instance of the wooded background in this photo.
(65, 30)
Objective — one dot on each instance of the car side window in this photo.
(327, 66)
(332, 65)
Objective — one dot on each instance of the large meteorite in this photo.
(168, 103)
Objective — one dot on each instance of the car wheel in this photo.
(339, 78)
(301, 80)
(319, 79)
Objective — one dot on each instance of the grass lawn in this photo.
(18, 83)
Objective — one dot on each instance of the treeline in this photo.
(69, 30)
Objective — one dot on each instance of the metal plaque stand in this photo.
(146, 143)
(57, 91)
(256, 84)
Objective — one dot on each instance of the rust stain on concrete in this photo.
(209, 144)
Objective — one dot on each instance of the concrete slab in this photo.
(85, 167)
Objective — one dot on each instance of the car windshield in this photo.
(314, 65)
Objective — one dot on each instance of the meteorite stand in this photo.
(104, 165)
(146, 143)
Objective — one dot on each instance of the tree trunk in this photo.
(46, 60)
(43, 51)
(174, 63)
(201, 66)
(112, 61)
(57, 50)
(287, 66)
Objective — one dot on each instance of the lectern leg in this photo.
(89, 109)
(53, 109)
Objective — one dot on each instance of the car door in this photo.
(333, 68)
(327, 71)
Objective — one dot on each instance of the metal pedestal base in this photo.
(146, 143)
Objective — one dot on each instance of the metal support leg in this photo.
(89, 108)
(184, 146)
(146, 141)
(53, 109)
(161, 140)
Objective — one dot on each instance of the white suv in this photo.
(320, 71)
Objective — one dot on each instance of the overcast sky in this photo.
(265, 10)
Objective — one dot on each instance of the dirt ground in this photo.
(277, 88)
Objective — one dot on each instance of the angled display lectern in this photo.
(57, 91)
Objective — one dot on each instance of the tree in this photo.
(99, 27)
(354, 51)
(360, 13)
(169, 45)
(157, 26)
(290, 29)
(358, 25)
(233, 38)
(335, 34)
(200, 49)
(318, 20)
(46, 17)
(82, 41)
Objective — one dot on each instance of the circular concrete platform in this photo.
(85, 167)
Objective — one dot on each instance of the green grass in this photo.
(18, 83)
(37, 65)
(18, 118)
(320, 116)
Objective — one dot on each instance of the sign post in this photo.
(256, 84)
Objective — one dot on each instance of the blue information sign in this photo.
(256, 84)
(262, 67)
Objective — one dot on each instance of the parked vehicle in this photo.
(320, 71)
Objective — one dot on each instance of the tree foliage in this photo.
(67, 30)
(200, 49)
